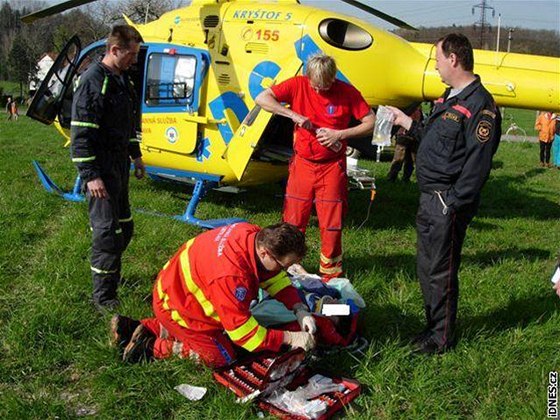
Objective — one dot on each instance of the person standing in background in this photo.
(546, 126)
(405, 151)
(555, 151)
(12, 109)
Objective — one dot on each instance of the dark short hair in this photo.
(282, 239)
(459, 45)
(123, 36)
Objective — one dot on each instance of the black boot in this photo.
(105, 292)
(426, 332)
(140, 346)
(122, 328)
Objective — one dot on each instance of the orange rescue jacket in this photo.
(210, 282)
(546, 125)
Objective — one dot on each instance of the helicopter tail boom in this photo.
(512, 79)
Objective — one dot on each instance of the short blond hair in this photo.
(321, 70)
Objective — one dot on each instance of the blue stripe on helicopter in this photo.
(228, 100)
(203, 151)
(263, 70)
(306, 47)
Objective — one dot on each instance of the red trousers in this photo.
(326, 185)
(214, 348)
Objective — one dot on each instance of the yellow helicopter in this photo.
(202, 66)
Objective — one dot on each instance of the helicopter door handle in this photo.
(220, 121)
(203, 120)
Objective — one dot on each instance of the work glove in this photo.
(299, 339)
(305, 319)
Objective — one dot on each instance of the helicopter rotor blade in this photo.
(380, 14)
(53, 10)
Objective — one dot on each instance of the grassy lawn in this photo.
(524, 118)
(55, 361)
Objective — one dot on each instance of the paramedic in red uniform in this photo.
(202, 295)
(321, 108)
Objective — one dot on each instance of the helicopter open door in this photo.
(246, 138)
(47, 102)
(174, 78)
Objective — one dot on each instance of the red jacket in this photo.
(330, 109)
(210, 282)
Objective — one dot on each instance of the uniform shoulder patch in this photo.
(240, 293)
(489, 113)
(483, 130)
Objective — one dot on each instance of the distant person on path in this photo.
(546, 126)
(405, 151)
(105, 122)
(456, 145)
(556, 144)
(12, 109)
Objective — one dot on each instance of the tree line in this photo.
(22, 45)
(523, 41)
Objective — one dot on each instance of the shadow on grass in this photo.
(386, 266)
(490, 258)
(389, 322)
(518, 313)
(266, 199)
(394, 206)
(503, 197)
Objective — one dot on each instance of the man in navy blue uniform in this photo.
(456, 146)
(105, 123)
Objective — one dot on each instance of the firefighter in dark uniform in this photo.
(456, 146)
(104, 130)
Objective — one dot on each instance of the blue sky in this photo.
(534, 14)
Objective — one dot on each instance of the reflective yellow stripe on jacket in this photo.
(275, 284)
(207, 306)
(246, 329)
(164, 297)
(250, 328)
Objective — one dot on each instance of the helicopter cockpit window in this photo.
(345, 35)
(170, 79)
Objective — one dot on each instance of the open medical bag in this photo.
(283, 385)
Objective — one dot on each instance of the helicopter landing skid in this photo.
(188, 216)
(49, 185)
(200, 189)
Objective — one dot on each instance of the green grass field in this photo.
(524, 118)
(55, 361)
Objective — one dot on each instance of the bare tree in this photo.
(144, 11)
